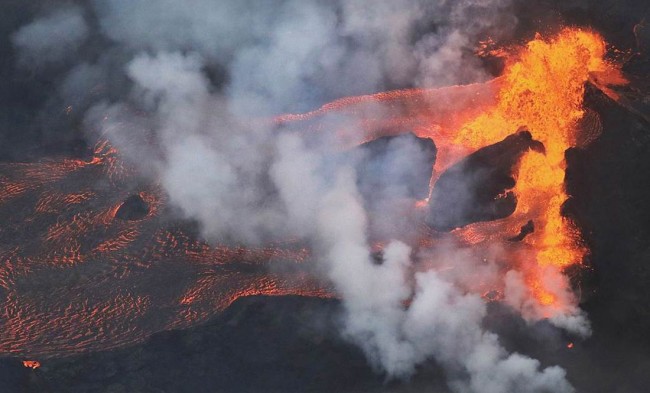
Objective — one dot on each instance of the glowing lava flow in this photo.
(76, 278)
(543, 89)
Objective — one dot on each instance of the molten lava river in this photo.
(74, 277)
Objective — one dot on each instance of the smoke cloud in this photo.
(53, 38)
(182, 88)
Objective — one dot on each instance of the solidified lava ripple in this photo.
(73, 278)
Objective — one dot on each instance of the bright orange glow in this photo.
(33, 364)
(544, 297)
(543, 89)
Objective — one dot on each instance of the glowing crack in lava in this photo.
(74, 277)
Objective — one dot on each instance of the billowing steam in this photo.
(181, 88)
(53, 38)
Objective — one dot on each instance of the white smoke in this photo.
(517, 295)
(51, 39)
(200, 76)
(445, 323)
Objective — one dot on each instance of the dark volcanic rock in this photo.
(13, 375)
(609, 185)
(396, 166)
(133, 208)
(525, 230)
(473, 189)
(259, 344)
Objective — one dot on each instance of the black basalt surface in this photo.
(609, 185)
(396, 166)
(259, 344)
(133, 208)
(477, 187)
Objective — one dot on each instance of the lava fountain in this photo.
(542, 89)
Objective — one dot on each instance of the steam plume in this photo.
(53, 38)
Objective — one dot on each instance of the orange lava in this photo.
(74, 278)
(33, 364)
(543, 89)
